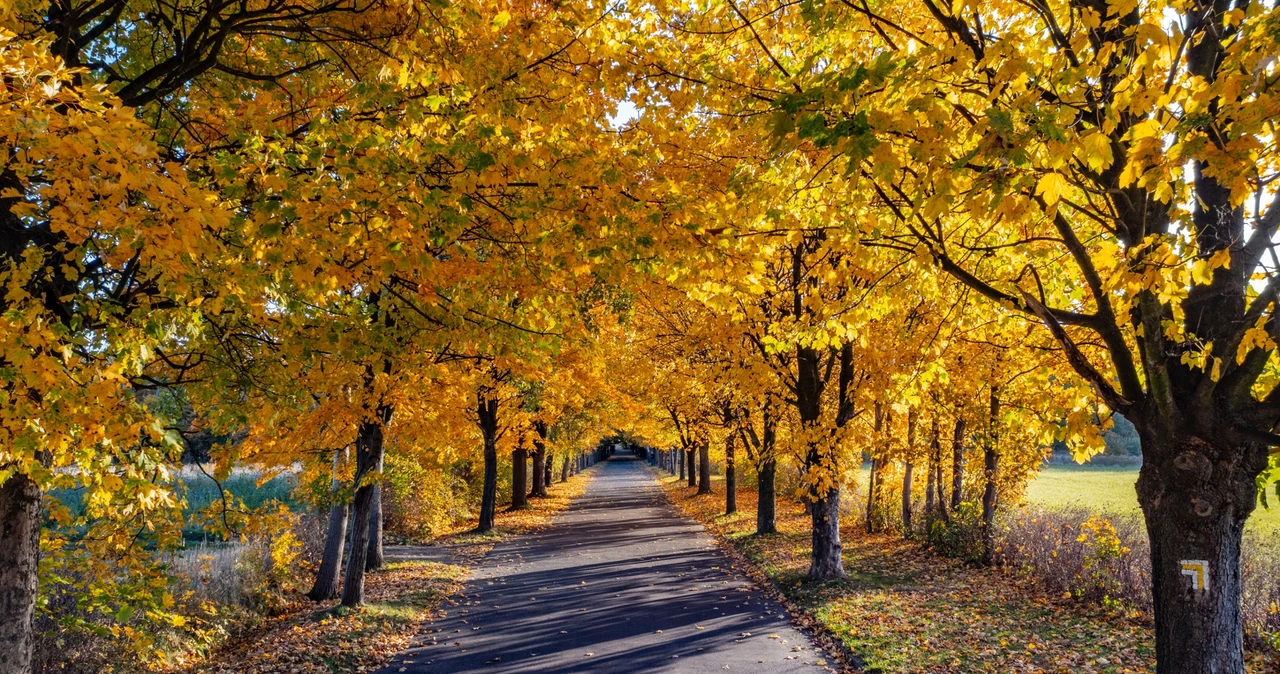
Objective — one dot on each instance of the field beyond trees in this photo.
(1110, 491)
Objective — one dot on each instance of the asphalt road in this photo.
(619, 583)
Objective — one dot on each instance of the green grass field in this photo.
(200, 491)
(1110, 490)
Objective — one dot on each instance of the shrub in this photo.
(420, 501)
(960, 536)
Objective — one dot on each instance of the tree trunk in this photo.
(375, 559)
(823, 500)
(20, 513)
(680, 459)
(335, 540)
(907, 475)
(519, 477)
(883, 421)
(929, 486)
(1195, 497)
(935, 459)
(487, 415)
(541, 467)
(767, 505)
(730, 477)
(704, 466)
(564, 470)
(991, 467)
(368, 457)
(825, 563)
(873, 496)
(691, 458)
(957, 464)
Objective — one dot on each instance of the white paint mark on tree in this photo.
(1198, 570)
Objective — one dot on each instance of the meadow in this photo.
(1109, 491)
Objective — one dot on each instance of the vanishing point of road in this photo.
(620, 582)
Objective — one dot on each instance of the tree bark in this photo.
(929, 487)
(368, 457)
(730, 477)
(691, 458)
(957, 463)
(704, 466)
(519, 481)
(873, 496)
(21, 501)
(564, 470)
(907, 476)
(335, 539)
(541, 467)
(991, 467)
(376, 559)
(883, 420)
(939, 508)
(487, 417)
(825, 561)
(1196, 495)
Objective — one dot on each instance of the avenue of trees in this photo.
(343, 237)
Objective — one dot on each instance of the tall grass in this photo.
(1075, 552)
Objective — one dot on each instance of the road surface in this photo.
(620, 582)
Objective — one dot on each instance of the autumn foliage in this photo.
(388, 248)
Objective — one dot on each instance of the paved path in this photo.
(619, 583)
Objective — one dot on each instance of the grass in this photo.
(1110, 491)
(200, 491)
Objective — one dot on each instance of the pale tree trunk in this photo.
(487, 417)
(368, 457)
(335, 538)
(873, 496)
(929, 503)
(908, 474)
(957, 463)
(876, 515)
(20, 511)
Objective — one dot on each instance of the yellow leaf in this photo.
(1050, 187)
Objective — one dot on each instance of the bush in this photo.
(422, 501)
(1076, 553)
(960, 536)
